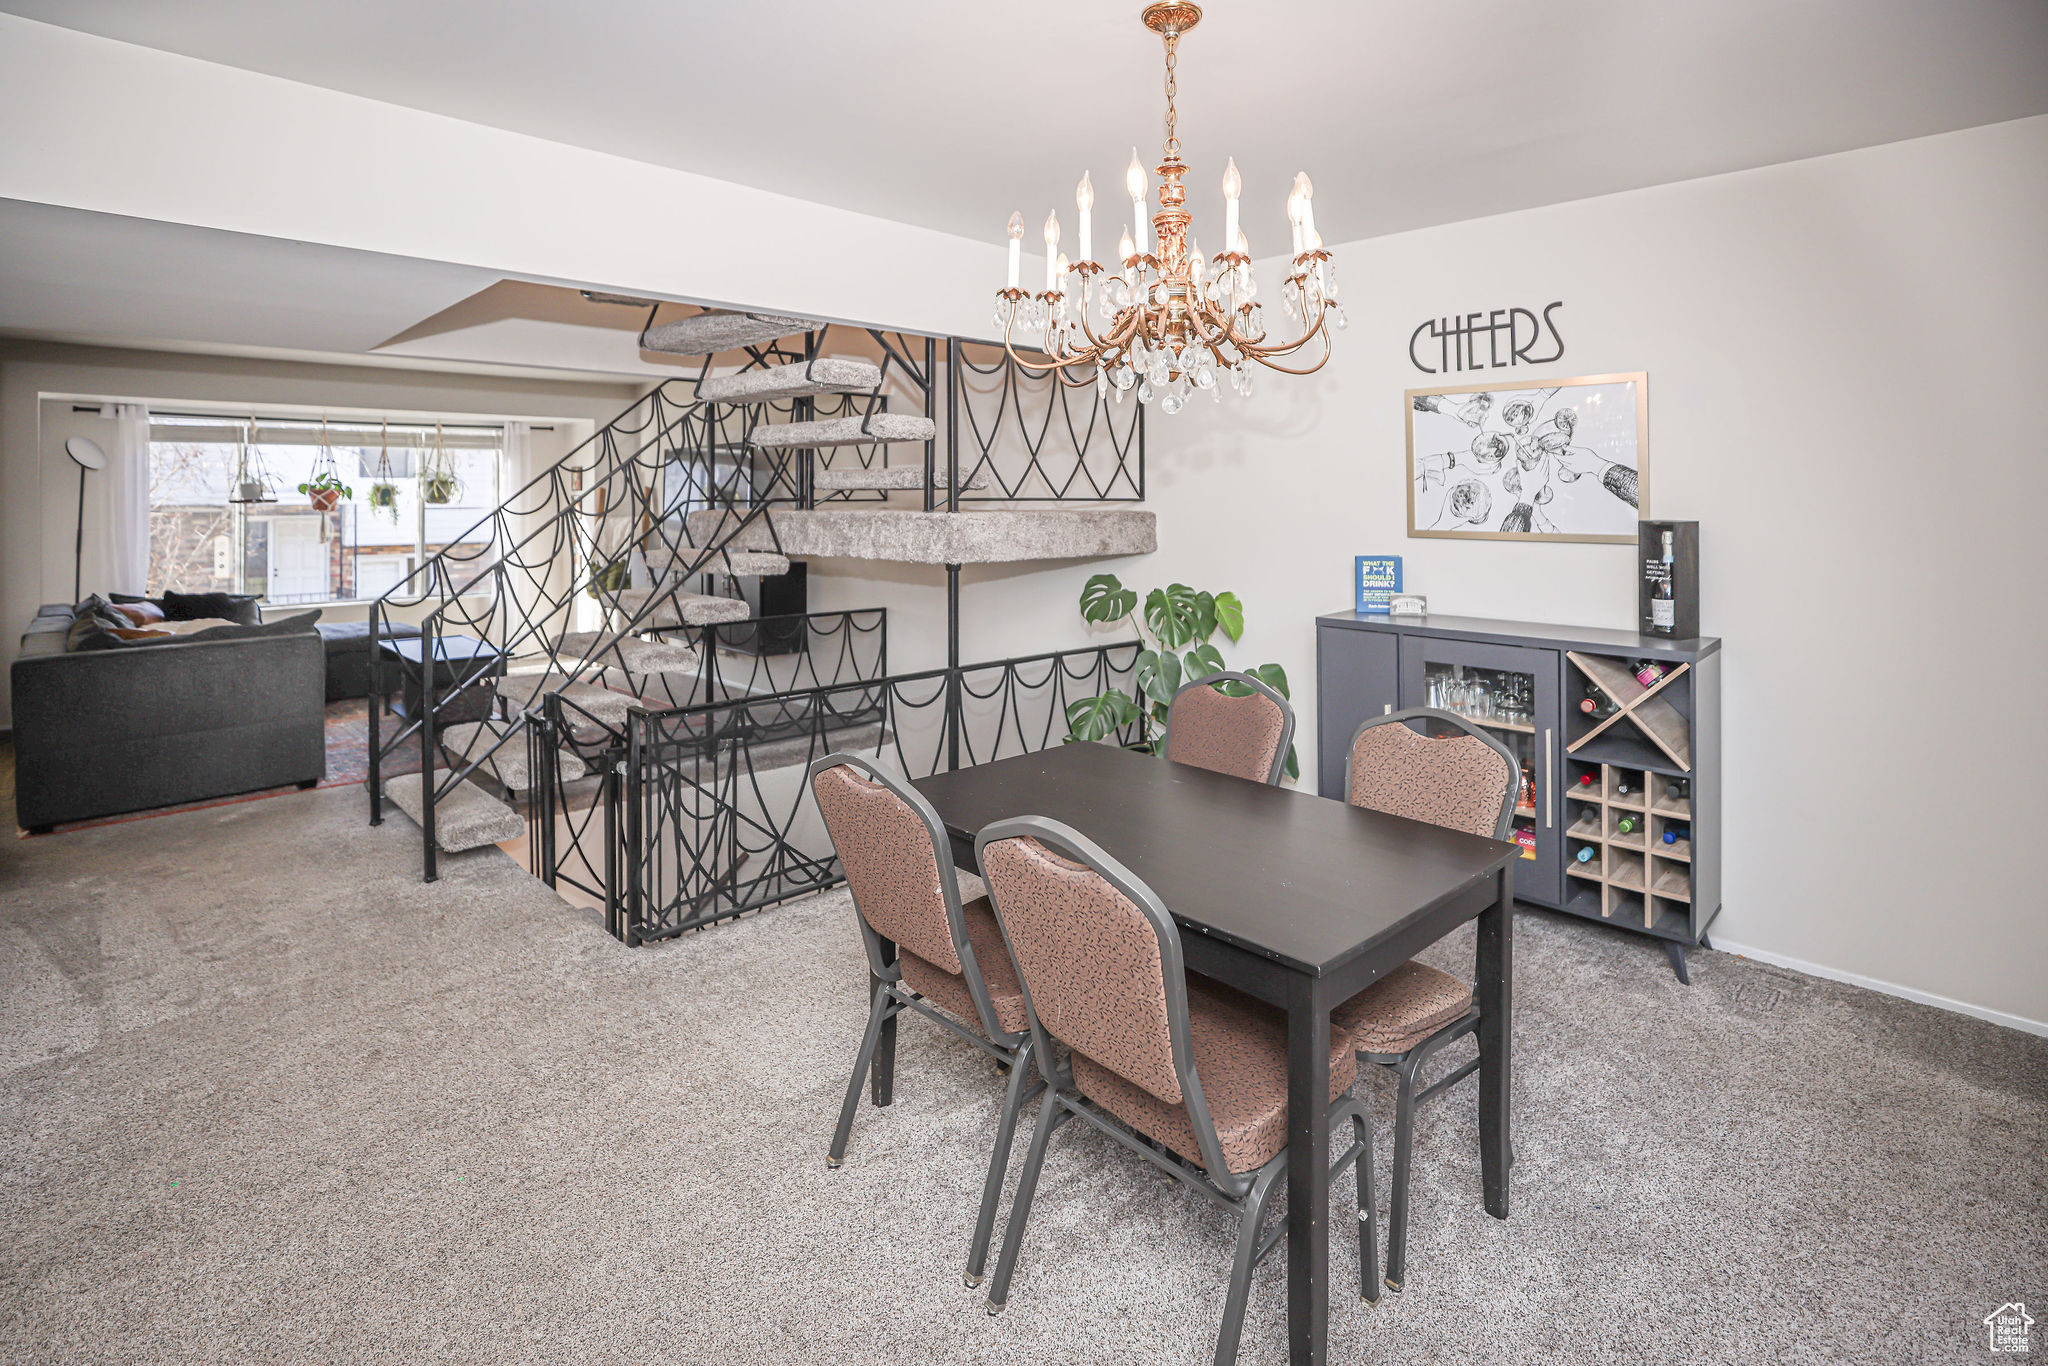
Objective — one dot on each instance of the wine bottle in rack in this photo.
(1596, 704)
(1678, 790)
(1648, 671)
(1674, 833)
(1587, 780)
(1625, 825)
(1621, 787)
(1586, 853)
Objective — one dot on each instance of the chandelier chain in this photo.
(1172, 131)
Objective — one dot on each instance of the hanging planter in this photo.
(252, 480)
(323, 487)
(383, 492)
(438, 483)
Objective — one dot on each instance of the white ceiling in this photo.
(70, 275)
(101, 279)
(950, 114)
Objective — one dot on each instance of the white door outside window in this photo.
(298, 560)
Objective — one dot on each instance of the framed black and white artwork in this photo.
(1562, 461)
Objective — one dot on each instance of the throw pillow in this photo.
(284, 626)
(231, 606)
(141, 612)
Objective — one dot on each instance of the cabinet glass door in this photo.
(1512, 695)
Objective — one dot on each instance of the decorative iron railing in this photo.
(598, 545)
(705, 814)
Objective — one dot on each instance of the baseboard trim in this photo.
(1925, 998)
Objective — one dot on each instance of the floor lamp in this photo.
(89, 456)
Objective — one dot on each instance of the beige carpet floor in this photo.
(266, 1097)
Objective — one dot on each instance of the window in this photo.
(413, 488)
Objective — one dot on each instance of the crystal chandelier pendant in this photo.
(1168, 317)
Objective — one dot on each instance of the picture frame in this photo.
(1502, 464)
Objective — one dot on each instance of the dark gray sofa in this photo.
(101, 732)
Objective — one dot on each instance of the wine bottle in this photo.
(1663, 607)
(1648, 671)
(1677, 790)
(1596, 705)
(1626, 825)
(1621, 788)
(1674, 833)
(1585, 854)
(1586, 780)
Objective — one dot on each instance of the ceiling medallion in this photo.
(1170, 319)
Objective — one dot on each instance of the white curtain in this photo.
(128, 500)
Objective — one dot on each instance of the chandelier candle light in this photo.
(1170, 318)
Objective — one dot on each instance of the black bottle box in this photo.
(1685, 576)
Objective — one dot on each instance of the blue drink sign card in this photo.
(1379, 578)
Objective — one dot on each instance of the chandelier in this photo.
(1170, 320)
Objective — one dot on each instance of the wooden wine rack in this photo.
(1633, 874)
(1646, 709)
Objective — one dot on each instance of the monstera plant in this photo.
(1175, 628)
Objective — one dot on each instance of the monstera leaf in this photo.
(1179, 616)
(1230, 615)
(1158, 674)
(1104, 598)
(1273, 676)
(1203, 660)
(1097, 718)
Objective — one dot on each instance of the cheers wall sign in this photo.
(1493, 340)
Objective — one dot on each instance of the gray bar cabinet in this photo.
(1620, 814)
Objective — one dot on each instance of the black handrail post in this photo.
(429, 654)
(931, 379)
(614, 914)
(952, 424)
(952, 666)
(376, 704)
(636, 721)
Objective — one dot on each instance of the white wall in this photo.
(1845, 358)
(39, 483)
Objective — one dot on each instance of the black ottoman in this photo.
(348, 656)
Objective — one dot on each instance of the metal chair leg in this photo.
(1368, 1214)
(1404, 1153)
(1020, 1207)
(998, 1164)
(1251, 1222)
(861, 1060)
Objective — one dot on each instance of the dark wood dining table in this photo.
(1293, 898)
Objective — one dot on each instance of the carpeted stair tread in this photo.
(467, 817)
(608, 705)
(888, 477)
(709, 333)
(995, 536)
(630, 653)
(467, 741)
(682, 609)
(760, 563)
(825, 375)
(843, 431)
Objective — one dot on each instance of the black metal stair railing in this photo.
(610, 521)
(706, 810)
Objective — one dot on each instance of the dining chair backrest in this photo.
(888, 839)
(1245, 735)
(1467, 781)
(1100, 962)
